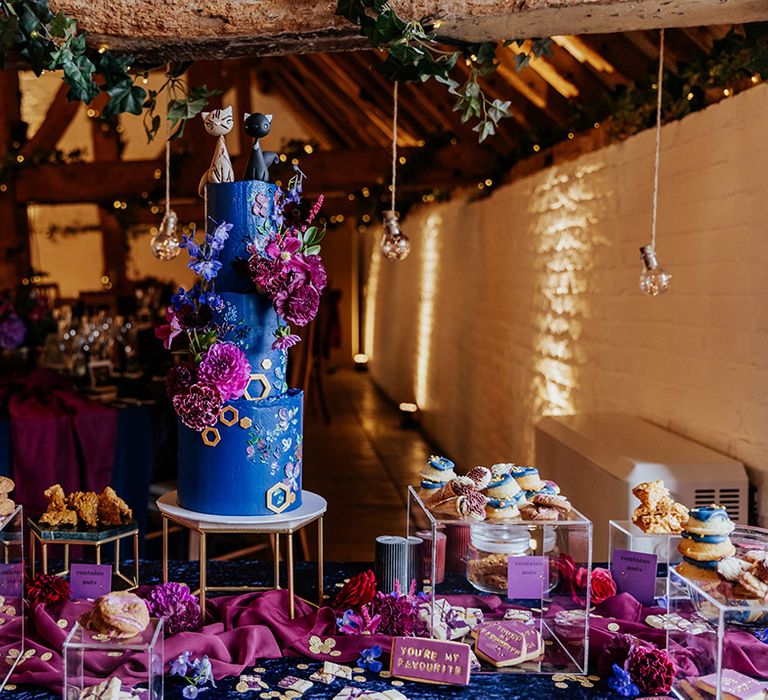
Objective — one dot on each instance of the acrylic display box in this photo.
(718, 617)
(624, 534)
(11, 591)
(461, 558)
(139, 664)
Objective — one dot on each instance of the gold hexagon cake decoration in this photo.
(229, 415)
(265, 387)
(278, 498)
(266, 363)
(211, 437)
(246, 423)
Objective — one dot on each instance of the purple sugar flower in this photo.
(198, 407)
(283, 249)
(298, 306)
(218, 237)
(174, 603)
(226, 368)
(12, 332)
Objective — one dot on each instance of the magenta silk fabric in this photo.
(242, 629)
(57, 436)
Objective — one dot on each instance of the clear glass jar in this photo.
(490, 547)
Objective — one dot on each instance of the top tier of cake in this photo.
(247, 205)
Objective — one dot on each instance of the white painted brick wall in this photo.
(517, 334)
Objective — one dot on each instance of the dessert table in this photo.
(488, 686)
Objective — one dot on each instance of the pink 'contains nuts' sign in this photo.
(430, 660)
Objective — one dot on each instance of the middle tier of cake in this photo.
(249, 463)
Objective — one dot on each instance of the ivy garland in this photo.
(416, 53)
(49, 41)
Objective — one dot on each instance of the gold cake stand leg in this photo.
(117, 558)
(45, 557)
(98, 554)
(291, 591)
(320, 572)
(165, 549)
(66, 557)
(203, 573)
(277, 561)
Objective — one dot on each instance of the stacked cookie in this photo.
(7, 506)
(705, 542)
(504, 494)
(436, 474)
(657, 512)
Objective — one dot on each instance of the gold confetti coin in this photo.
(264, 695)
(558, 677)
(47, 656)
(594, 678)
(360, 679)
(292, 693)
(260, 669)
(385, 674)
(335, 652)
(613, 627)
(242, 687)
(397, 683)
(302, 667)
(114, 653)
(62, 623)
(561, 685)
(10, 686)
(357, 669)
(587, 685)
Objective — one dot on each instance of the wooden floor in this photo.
(362, 463)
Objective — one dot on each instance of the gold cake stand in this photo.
(96, 538)
(312, 510)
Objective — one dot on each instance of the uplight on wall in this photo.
(426, 313)
(409, 412)
(371, 294)
(361, 362)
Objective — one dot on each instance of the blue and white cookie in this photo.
(438, 470)
(709, 520)
(528, 478)
(504, 509)
(504, 488)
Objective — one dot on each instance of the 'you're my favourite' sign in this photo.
(430, 660)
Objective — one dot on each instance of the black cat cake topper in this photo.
(257, 126)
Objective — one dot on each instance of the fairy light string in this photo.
(394, 144)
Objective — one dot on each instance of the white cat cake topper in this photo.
(218, 122)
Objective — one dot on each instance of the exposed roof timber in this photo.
(156, 30)
(58, 117)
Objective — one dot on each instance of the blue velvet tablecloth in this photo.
(482, 686)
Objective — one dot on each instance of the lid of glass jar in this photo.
(503, 538)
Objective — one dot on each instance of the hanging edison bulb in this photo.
(165, 243)
(394, 243)
(654, 280)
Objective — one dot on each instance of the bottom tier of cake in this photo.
(249, 463)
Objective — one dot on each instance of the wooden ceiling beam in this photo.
(275, 80)
(630, 63)
(58, 117)
(156, 31)
(334, 173)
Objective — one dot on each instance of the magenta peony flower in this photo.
(198, 407)
(283, 249)
(298, 306)
(179, 379)
(225, 367)
(173, 602)
(317, 274)
(12, 332)
(651, 670)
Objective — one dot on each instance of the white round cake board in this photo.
(311, 507)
